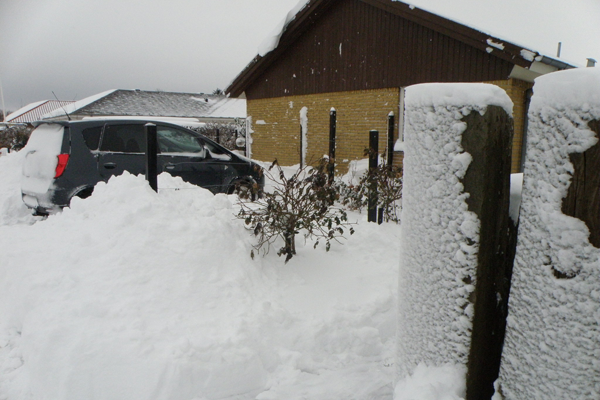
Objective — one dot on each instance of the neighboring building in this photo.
(358, 56)
(188, 109)
(35, 111)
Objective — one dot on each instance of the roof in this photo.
(122, 102)
(306, 14)
(35, 111)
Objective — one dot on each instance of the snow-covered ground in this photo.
(131, 294)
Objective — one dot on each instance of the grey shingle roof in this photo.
(161, 104)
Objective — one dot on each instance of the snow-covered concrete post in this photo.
(455, 226)
(552, 346)
(303, 136)
(152, 156)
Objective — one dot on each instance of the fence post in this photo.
(488, 139)
(151, 156)
(218, 136)
(390, 143)
(332, 132)
(373, 158)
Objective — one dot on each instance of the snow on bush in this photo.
(440, 237)
(552, 347)
(130, 294)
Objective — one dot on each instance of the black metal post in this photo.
(151, 156)
(218, 137)
(373, 158)
(390, 143)
(332, 132)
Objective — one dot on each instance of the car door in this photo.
(184, 154)
(122, 148)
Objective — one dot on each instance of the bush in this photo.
(388, 181)
(15, 137)
(302, 203)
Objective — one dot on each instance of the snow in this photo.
(552, 345)
(399, 145)
(70, 108)
(13, 209)
(23, 110)
(463, 97)
(184, 122)
(41, 158)
(304, 126)
(497, 45)
(516, 190)
(528, 55)
(433, 383)
(132, 294)
(272, 41)
(440, 236)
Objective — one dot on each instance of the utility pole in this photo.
(3, 108)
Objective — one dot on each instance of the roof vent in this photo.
(591, 62)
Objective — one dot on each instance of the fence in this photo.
(459, 243)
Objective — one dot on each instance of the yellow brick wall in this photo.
(277, 132)
(516, 90)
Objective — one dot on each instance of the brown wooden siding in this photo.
(378, 50)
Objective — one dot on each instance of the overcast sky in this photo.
(78, 48)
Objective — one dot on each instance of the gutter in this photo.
(554, 62)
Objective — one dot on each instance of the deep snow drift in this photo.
(131, 294)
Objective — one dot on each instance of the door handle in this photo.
(110, 165)
(170, 167)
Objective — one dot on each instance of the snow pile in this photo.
(446, 382)
(12, 208)
(131, 294)
(552, 345)
(440, 236)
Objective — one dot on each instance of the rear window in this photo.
(124, 139)
(91, 136)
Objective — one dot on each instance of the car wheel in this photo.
(85, 193)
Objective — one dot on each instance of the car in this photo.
(66, 159)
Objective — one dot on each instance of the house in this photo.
(357, 56)
(187, 109)
(35, 111)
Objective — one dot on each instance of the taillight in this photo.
(63, 159)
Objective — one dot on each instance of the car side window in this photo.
(91, 137)
(124, 139)
(172, 140)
